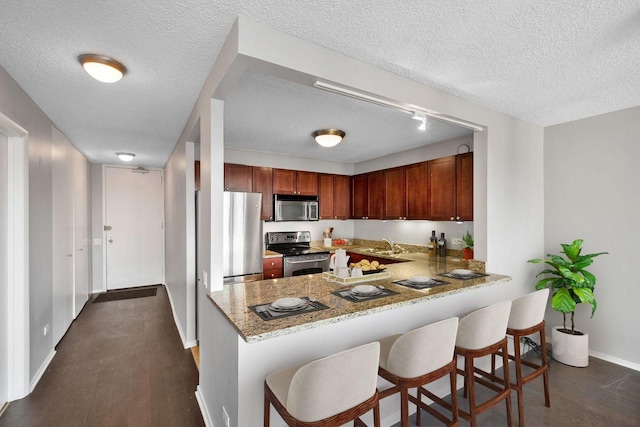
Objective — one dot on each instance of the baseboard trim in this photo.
(203, 408)
(41, 370)
(616, 360)
(185, 344)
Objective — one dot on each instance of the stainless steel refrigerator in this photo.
(242, 250)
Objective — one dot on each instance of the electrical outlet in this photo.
(225, 417)
(46, 329)
(204, 279)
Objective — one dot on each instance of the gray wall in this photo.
(18, 106)
(591, 179)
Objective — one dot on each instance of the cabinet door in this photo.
(359, 196)
(394, 193)
(464, 187)
(416, 191)
(307, 183)
(284, 181)
(376, 195)
(262, 183)
(238, 177)
(341, 196)
(325, 195)
(442, 188)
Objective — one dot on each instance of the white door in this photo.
(4, 222)
(134, 227)
(62, 247)
(80, 231)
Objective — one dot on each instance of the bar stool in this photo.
(326, 392)
(417, 358)
(527, 318)
(482, 333)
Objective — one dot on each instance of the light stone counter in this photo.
(234, 300)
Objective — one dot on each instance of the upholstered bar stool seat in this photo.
(417, 358)
(527, 318)
(482, 333)
(326, 392)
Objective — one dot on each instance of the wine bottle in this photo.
(432, 247)
(442, 246)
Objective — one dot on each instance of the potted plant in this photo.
(570, 285)
(467, 246)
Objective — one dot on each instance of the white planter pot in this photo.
(570, 349)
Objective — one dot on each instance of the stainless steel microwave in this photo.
(291, 207)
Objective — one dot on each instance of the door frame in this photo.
(17, 308)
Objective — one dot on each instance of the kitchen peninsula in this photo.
(253, 347)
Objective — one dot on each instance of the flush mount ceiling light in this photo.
(422, 118)
(328, 137)
(102, 68)
(125, 157)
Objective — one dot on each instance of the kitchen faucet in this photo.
(389, 241)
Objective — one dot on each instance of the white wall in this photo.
(179, 237)
(19, 107)
(508, 158)
(591, 193)
(4, 355)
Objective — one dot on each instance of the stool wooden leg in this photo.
(507, 381)
(404, 407)
(545, 362)
(267, 409)
(471, 385)
(518, 383)
(454, 398)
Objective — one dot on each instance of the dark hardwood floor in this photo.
(120, 364)
(601, 395)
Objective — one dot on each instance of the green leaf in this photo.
(572, 251)
(563, 302)
(586, 297)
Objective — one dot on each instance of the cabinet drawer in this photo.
(271, 274)
(272, 268)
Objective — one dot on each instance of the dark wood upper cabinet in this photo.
(334, 196)
(307, 183)
(360, 196)
(394, 193)
(286, 181)
(442, 188)
(325, 195)
(341, 196)
(262, 183)
(464, 187)
(376, 190)
(238, 177)
(416, 189)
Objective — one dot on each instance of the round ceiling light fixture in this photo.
(328, 137)
(102, 68)
(125, 157)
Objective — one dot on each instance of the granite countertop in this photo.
(233, 301)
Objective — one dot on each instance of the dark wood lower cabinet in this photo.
(272, 268)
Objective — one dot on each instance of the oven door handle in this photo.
(306, 260)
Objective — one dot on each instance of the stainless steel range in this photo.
(298, 256)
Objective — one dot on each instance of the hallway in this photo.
(121, 363)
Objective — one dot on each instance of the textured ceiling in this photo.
(546, 62)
